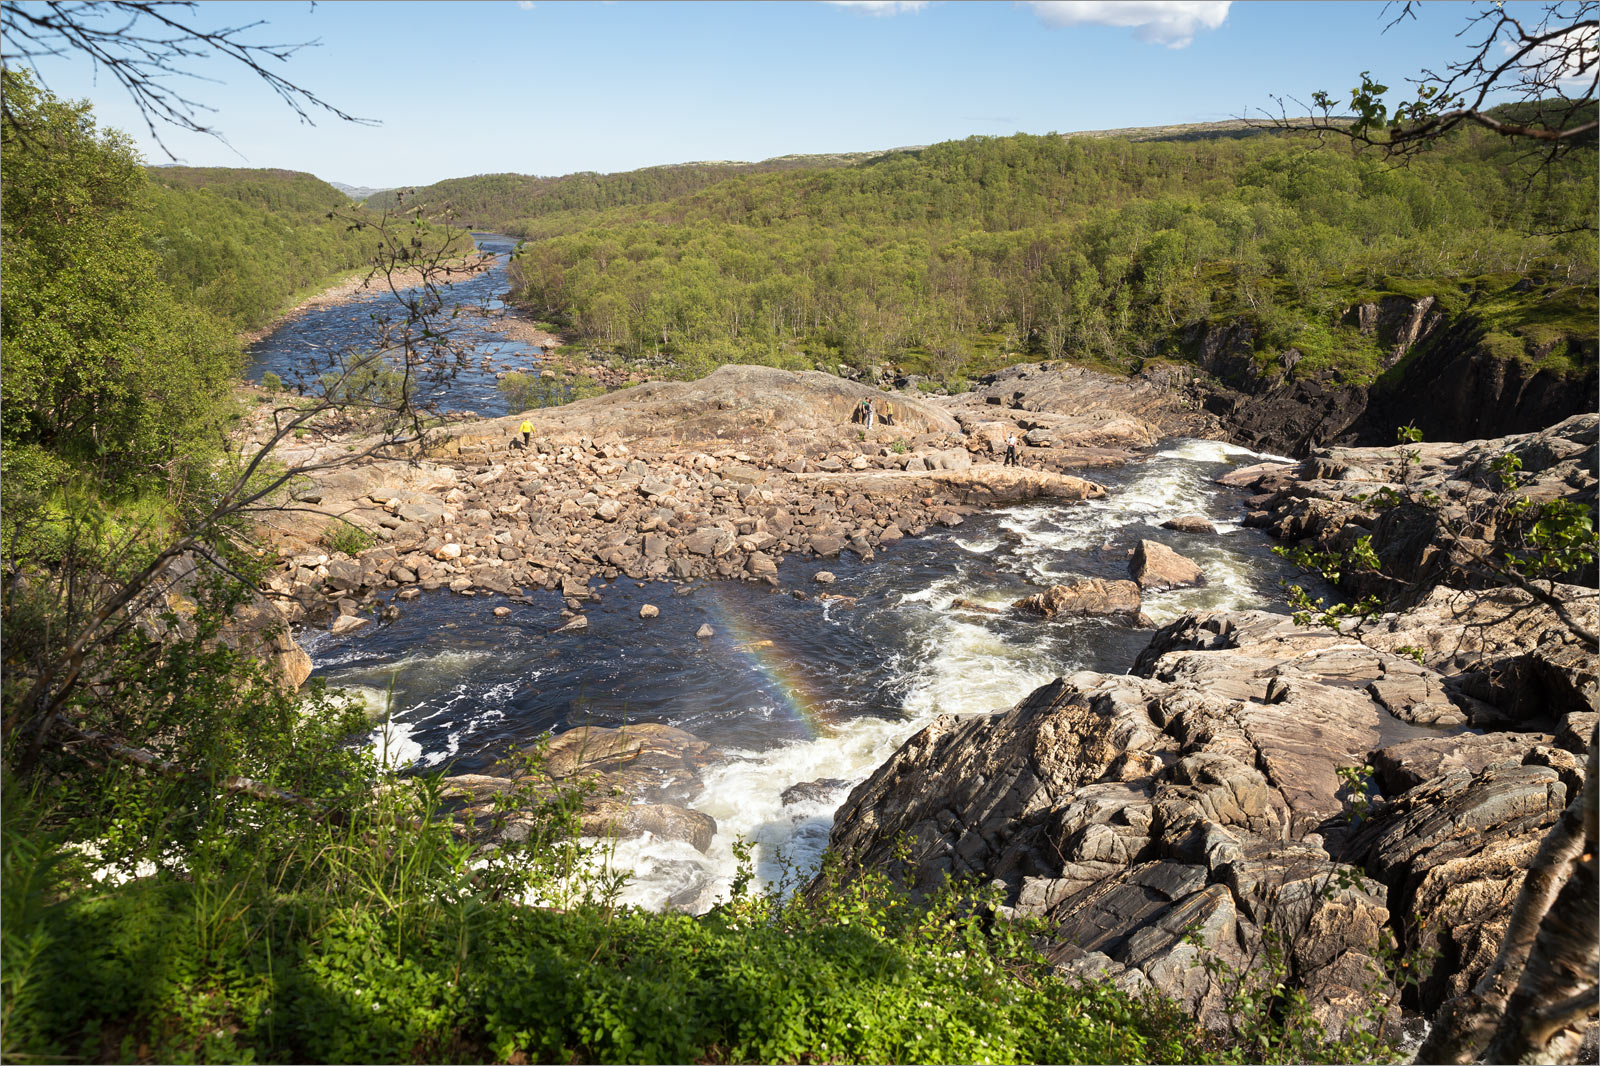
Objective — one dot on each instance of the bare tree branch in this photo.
(146, 44)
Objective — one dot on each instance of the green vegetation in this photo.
(244, 243)
(344, 537)
(495, 201)
(960, 256)
(527, 391)
(113, 386)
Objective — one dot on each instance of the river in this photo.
(791, 688)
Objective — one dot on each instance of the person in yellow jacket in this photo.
(527, 433)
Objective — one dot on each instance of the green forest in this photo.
(243, 243)
(962, 256)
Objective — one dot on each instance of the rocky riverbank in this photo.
(1256, 791)
(364, 284)
(724, 477)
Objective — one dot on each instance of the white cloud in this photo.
(1567, 61)
(882, 7)
(1170, 22)
(526, 5)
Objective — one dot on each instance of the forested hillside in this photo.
(967, 254)
(241, 243)
(495, 201)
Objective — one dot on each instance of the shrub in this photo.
(344, 537)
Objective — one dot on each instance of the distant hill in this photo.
(358, 192)
(493, 201)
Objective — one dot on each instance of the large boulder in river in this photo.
(1156, 566)
(1094, 597)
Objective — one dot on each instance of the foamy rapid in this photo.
(941, 660)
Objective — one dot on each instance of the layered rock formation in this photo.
(1436, 369)
(1256, 791)
(1204, 804)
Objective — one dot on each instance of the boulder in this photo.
(1190, 523)
(1095, 597)
(1156, 566)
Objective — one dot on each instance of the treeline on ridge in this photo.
(243, 243)
(973, 253)
(496, 201)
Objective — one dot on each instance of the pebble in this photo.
(705, 632)
(823, 577)
(502, 612)
(649, 610)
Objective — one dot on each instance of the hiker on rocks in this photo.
(872, 413)
(861, 412)
(527, 433)
(1013, 454)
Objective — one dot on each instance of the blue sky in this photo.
(555, 87)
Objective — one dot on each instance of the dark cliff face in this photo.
(1455, 393)
(1440, 376)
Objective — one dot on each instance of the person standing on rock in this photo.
(527, 433)
(1013, 456)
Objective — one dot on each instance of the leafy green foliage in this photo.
(344, 537)
(1102, 251)
(244, 243)
(105, 369)
(1560, 537)
(528, 391)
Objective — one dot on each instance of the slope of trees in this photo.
(242, 243)
(106, 369)
(493, 201)
(1043, 247)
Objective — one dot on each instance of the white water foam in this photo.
(954, 662)
(1216, 451)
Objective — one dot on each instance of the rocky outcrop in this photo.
(1441, 371)
(1075, 407)
(1203, 804)
(647, 484)
(635, 780)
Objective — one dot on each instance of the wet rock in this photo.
(346, 623)
(502, 612)
(621, 820)
(1190, 524)
(649, 610)
(971, 605)
(811, 791)
(577, 624)
(1094, 597)
(823, 577)
(705, 632)
(1156, 566)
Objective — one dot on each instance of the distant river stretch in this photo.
(791, 690)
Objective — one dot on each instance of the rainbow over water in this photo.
(784, 676)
